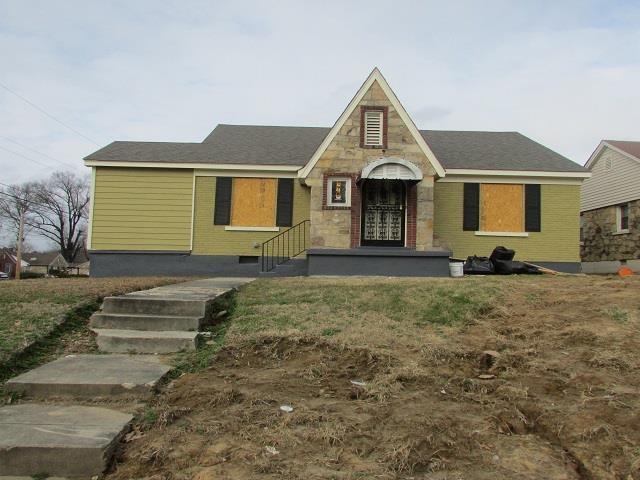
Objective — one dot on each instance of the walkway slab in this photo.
(91, 375)
(59, 441)
(144, 341)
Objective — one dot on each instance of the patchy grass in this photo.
(475, 378)
(346, 308)
(32, 311)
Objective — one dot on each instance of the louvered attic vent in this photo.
(373, 127)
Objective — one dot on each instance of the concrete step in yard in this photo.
(128, 321)
(144, 341)
(92, 376)
(148, 305)
(65, 441)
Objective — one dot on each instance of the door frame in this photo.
(403, 226)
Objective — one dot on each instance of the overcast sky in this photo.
(565, 73)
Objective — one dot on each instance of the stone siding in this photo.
(331, 228)
(602, 243)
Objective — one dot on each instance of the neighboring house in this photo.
(610, 208)
(45, 262)
(371, 195)
(80, 264)
(8, 262)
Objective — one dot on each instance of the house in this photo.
(8, 262)
(371, 195)
(45, 262)
(80, 264)
(610, 208)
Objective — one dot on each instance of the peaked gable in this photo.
(375, 84)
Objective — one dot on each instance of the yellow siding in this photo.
(142, 209)
(557, 242)
(210, 239)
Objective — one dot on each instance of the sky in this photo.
(565, 73)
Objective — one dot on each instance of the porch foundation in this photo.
(382, 261)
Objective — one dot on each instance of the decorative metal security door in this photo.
(383, 213)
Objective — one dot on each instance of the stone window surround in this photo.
(385, 115)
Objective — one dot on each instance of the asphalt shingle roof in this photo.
(294, 146)
(632, 148)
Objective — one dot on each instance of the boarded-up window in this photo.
(253, 203)
(501, 207)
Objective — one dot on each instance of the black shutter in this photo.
(284, 210)
(222, 207)
(471, 207)
(532, 208)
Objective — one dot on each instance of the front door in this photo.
(383, 213)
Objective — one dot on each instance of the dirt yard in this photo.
(477, 378)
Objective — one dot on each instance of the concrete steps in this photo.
(66, 441)
(148, 305)
(144, 341)
(89, 376)
(129, 321)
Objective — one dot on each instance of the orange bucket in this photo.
(625, 271)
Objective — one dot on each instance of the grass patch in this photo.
(618, 314)
(344, 307)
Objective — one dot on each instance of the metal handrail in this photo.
(284, 246)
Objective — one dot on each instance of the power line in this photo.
(26, 158)
(44, 112)
(36, 151)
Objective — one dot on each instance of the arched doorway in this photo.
(384, 184)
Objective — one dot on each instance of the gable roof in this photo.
(374, 76)
(632, 148)
(627, 148)
(495, 151)
(41, 258)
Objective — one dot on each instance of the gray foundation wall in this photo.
(384, 262)
(119, 264)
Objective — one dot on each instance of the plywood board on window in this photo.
(253, 202)
(501, 207)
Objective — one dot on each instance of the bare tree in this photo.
(61, 210)
(16, 203)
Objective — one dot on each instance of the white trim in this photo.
(92, 194)
(245, 174)
(620, 232)
(230, 228)
(506, 179)
(203, 166)
(518, 173)
(600, 147)
(193, 209)
(375, 76)
(347, 194)
(501, 234)
(370, 167)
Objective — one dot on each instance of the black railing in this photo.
(284, 246)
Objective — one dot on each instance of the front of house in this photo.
(371, 195)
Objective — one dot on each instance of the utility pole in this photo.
(19, 246)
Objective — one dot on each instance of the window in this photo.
(253, 203)
(373, 128)
(501, 209)
(339, 192)
(582, 224)
(623, 218)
